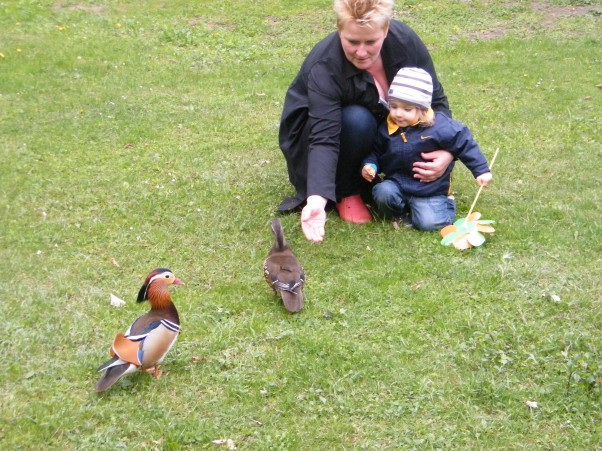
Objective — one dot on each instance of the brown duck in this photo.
(148, 340)
(283, 272)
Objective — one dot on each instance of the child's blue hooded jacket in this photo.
(396, 149)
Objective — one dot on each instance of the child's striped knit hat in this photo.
(412, 85)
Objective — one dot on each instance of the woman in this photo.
(333, 107)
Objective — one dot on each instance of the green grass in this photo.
(147, 133)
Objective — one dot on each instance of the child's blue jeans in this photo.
(428, 213)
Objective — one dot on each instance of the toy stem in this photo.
(474, 202)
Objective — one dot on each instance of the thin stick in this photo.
(474, 202)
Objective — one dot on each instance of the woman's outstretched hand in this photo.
(313, 218)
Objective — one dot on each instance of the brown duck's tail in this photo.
(280, 242)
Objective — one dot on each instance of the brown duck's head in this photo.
(160, 277)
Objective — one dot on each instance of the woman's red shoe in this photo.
(352, 209)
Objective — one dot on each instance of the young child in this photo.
(411, 129)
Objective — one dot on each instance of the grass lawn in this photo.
(137, 135)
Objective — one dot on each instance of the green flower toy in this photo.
(468, 232)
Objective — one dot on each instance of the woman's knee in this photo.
(358, 131)
(358, 121)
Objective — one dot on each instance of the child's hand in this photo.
(485, 179)
(368, 172)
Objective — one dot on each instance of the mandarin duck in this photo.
(283, 272)
(148, 340)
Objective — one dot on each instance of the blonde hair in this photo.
(426, 117)
(364, 12)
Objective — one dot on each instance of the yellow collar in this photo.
(392, 127)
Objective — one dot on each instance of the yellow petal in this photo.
(473, 216)
(485, 228)
(447, 230)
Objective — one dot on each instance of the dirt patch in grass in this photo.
(550, 14)
(96, 9)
